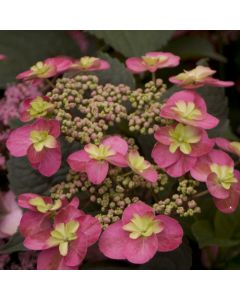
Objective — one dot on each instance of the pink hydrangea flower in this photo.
(35, 107)
(198, 77)
(232, 147)
(88, 63)
(189, 108)
(39, 142)
(3, 57)
(152, 61)
(50, 67)
(65, 242)
(10, 214)
(94, 160)
(141, 166)
(40, 210)
(223, 182)
(178, 148)
(140, 234)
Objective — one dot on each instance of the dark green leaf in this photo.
(193, 47)
(15, 244)
(134, 43)
(117, 74)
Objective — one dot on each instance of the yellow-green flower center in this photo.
(143, 226)
(195, 75)
(87, 61)
(151, 61)
(40, 69)
(41, 139)
(187, 110)
(137, 163)
(225, 175)
(182, 137)
(39, 108)
(63, 234)
(236, 147)
(44, 207)
(99, 152)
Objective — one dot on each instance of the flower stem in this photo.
(50, 83)
(126, 174)
(203, 193)
(154, 77)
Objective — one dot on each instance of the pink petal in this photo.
(35, 157)
(222, 143)
(91, 228)
(104, 65)
(201, 169)
(162, 135)
(135, 64)
(77, 251)
(24, 75)
(52, 126)
(118, 144)
(139, 208)
(51, 259)
(141, 250)
(19, 141)
(33, 222)
(62, 63)
(97, 171)
(38, 241)
(184, 164)
(163, 157)
(228, 205)
(203, 147)
(216, 82)
(118, 160)
(113, 240)
(221, 158)
(67, 214)
(215, 189)
(150, 174)
(171, 236)
(75, 202)
(77, 160)
(9, 222)
(51, 162)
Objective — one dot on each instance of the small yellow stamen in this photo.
(225, 175)
(41, 139)
(63, 234)
(154, 60)
(40, 69)
(143, 226)
(39, 108)
(87, 62)
(182, 137)
(137, 162)
(187, 110)
(99, 152)
(44, 207)
(195, 75)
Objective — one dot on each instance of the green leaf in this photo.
(205, 235)
(24, 179)
(227, 225)
(25, 48)
(134, 43)
(193, 47)
(117, 74)
(15, 244)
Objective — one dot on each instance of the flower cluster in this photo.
(111, 171)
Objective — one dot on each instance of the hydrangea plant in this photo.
(141, 162)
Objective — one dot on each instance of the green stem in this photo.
(126, 174)
(49, 82)
(203, 193)
(154, 77)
